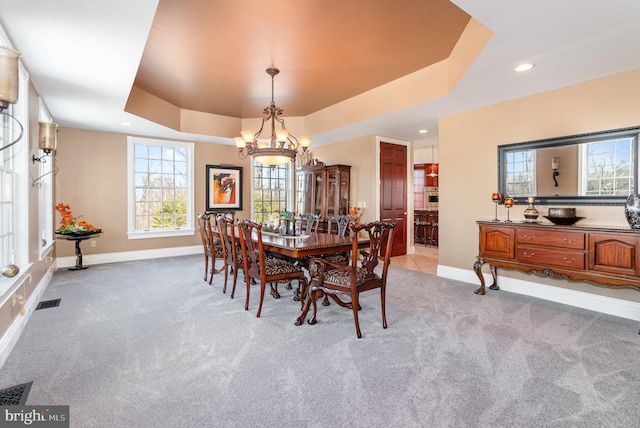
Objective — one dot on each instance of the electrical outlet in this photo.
(93, 243)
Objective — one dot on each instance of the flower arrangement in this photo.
(70, 224)
(356, 213)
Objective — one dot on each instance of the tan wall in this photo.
(92, 179)
(360, 154)
(468, 143)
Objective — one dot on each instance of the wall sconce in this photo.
(47, 142)
(554, 167)
(8, 92)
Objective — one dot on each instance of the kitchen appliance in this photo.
(431, 198)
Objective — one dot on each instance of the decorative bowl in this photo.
(562, 212)
(563, 221)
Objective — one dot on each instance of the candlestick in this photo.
(508, 203)
(496, 197)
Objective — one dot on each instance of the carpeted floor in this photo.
(150, 344)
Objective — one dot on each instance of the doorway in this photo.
(393, 192)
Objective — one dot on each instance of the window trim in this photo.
(45, 191)
(21, 183)
(187, 230)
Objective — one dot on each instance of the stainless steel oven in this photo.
(431, 198)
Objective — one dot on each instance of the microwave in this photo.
(431, 198)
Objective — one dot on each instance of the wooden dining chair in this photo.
(211, 250)
(355, 278)
(232, 252)
(309, 222)
(342, 223)
(259, 266)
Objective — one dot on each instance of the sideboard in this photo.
(604, 256)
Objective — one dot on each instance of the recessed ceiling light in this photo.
(125, 123)
(423, 131)
(524, 67)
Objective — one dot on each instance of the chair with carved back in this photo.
(211, 250)
(342, 223)
(232, 252)
(338, 224)
(309, 222)
(258, 266)
(355, 278)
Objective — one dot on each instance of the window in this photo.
(270, 190)
(45, 185)
(160, 188)
(606, 167)
(14, 182)
(520, 166)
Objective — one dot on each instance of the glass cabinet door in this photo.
(318, 192)
(344, 193)
(304, 197)
(332, 185)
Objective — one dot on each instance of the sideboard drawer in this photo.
(551, 238)
(551, 257)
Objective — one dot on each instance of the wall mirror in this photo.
(589, 169)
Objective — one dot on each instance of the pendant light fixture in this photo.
(434, 166)
(282, 146)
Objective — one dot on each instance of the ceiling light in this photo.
(434, 166)
(282, 146)
(423, 131)
(524, 67)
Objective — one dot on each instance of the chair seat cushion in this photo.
(336, 258)
(274, 266)
(342, 277)
(218, 249)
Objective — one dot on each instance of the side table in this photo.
(78, 238)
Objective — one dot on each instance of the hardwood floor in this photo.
(425, 260)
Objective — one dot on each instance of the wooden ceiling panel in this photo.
(211, 55)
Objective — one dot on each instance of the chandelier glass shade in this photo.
(281, 146)
(11, 129)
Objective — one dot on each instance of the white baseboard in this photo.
(593, 302)
(12, 335)
(127, 256)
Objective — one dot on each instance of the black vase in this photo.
(632, 211)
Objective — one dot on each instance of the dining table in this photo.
(314, 244)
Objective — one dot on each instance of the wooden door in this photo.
(393, 192)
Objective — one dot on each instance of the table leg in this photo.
(78, 265)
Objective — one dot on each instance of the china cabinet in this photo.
(323, 189)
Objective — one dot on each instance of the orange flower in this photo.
(69, 223)
(356, 212)
(86, 224)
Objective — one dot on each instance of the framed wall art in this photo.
(224, 188)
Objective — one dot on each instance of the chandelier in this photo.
(282, 146)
